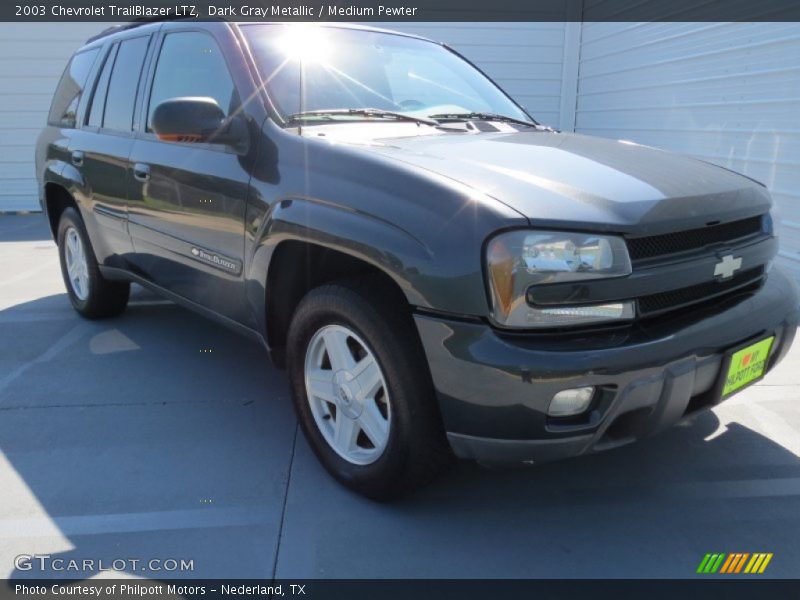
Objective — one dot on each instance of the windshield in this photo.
(311, 68)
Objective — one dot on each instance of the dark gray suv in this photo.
(440, 274)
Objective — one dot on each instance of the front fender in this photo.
(380, 243)
(424, 230)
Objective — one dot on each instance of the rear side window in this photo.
(100, 90)
(124, 83)
(64, 108)
(191, 64)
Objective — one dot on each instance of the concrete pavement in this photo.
(162, 435)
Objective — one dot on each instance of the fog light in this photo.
(570, 402)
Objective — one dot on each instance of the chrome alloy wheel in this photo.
(77, 266)
(348, 395)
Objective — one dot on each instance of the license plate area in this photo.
(744, 365)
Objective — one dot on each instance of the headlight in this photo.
(771, 224)
(519, 259)
(773, 221)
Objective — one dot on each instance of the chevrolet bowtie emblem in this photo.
(727, 266)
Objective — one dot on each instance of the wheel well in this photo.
(57, 199)
(297, 268)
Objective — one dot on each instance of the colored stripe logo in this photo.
(734, 563)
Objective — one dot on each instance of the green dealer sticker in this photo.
(747, 365)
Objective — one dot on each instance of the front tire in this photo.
(93, 296)
(362, 390)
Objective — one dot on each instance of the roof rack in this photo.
(138, 22)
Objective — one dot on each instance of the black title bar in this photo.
(403, 10)
(705, 587)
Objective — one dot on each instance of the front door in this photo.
(187, 200)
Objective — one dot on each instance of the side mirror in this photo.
(198, 120)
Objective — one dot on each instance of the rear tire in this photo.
(93, 296)
(402, 446)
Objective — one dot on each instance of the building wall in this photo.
(32, 57)
(728, 93)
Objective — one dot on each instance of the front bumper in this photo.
(494, 388)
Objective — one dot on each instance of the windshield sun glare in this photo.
(305, 43)
(308, 68)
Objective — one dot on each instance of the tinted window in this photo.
(123, 84)
(191, 64)
(99, 96)
(68, 92)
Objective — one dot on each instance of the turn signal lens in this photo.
(564, 316)
(501, 267)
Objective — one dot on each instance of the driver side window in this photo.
(190, 63)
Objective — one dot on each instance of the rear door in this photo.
(187, 200)
(101, 147)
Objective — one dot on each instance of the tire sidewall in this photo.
(309, 319)
(70, 219)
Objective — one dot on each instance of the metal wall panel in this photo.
(32, 58)
(728, 93)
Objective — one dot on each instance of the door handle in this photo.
(77, 157)
(141, 172)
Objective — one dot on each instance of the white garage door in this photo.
(32, 57)
(728, 93)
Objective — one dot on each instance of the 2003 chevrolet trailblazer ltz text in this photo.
(440, 274)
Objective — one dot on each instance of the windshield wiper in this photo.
(366, 112)
(484, 116)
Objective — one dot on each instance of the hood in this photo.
(559, 179)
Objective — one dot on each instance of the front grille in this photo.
(665, 301)
(692, 239)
